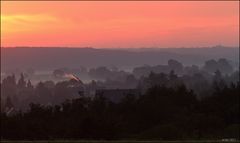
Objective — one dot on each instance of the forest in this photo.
(172, 102)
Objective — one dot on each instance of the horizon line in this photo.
(90, 47)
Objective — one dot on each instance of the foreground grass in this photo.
(123, 141)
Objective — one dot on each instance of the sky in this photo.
(119, 24)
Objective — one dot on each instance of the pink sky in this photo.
(120, 24)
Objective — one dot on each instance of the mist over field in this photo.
(45, 59)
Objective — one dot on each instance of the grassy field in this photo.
(123, 141)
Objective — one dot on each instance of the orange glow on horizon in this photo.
(119, 24)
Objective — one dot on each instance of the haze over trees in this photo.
(199, 79)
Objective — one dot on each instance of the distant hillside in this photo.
(50, 58)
